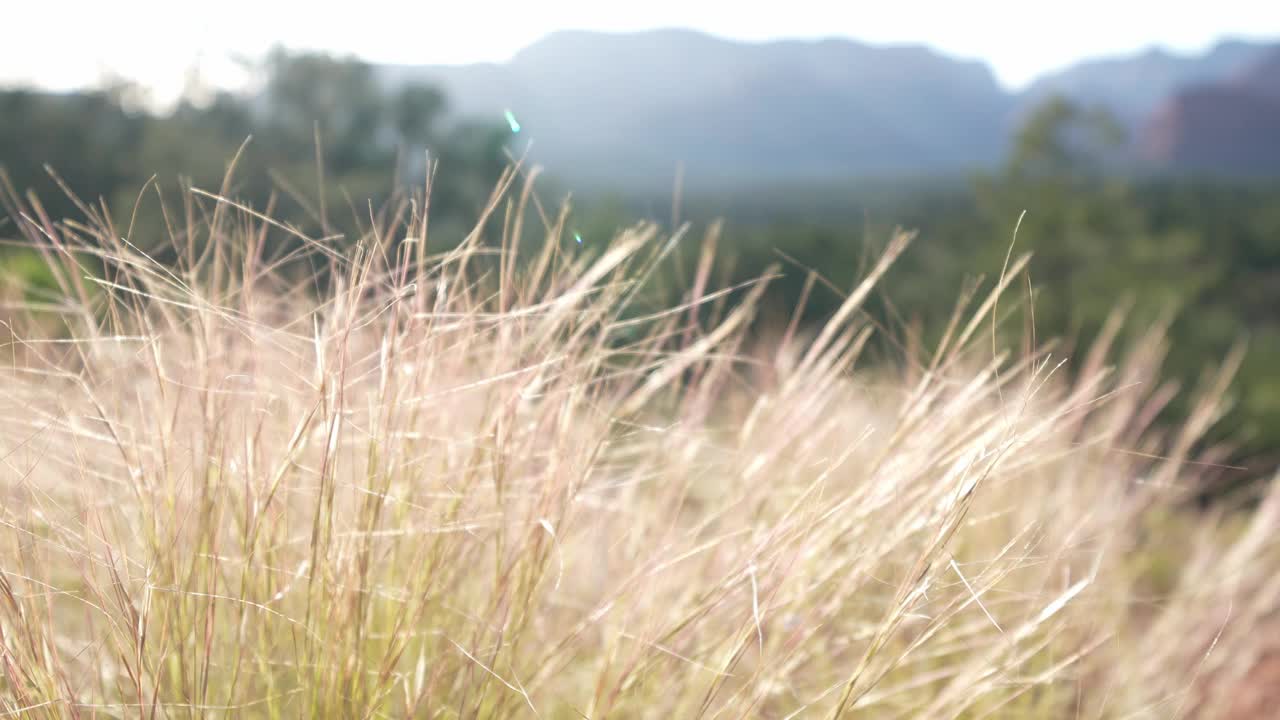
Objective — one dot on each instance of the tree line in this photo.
(312, 111)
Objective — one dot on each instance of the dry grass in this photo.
(462, 486)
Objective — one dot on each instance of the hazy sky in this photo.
(64, 44)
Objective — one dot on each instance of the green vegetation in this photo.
(313, 111)
(458, 485)
(1201, 257)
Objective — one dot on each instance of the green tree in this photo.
(327, 138)
(1093, 245)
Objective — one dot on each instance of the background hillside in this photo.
(1228, 127)
(1133, 87)
(624, 109)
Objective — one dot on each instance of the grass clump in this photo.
(459, 485)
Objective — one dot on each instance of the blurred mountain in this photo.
(1132, 87)
(624, 109)
(1263, 75)
(1226, 128)
(627, 107)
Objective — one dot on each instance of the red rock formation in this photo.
(1228, 128)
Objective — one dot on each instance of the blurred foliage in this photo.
(1202, 255)
(372, 141)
